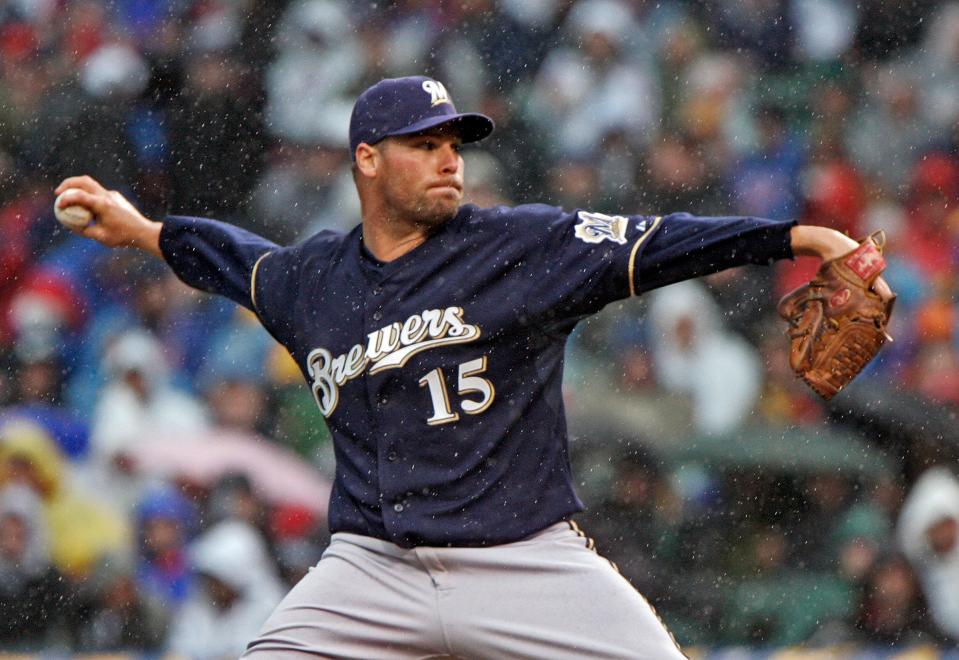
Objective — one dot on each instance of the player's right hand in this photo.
(117, 223)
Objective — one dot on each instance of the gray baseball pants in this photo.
(547, 596)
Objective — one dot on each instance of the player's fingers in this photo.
(94, 231)
(84, 182)
(80, 197)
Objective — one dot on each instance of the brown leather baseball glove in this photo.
(837, 322)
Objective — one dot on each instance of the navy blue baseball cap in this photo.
(403, 106)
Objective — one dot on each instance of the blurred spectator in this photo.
(833, 190)
(785, 399)
(139, 399)
(138, 402)
(233, 375)
(764, 181)
(936, 370)
(928, 532)
(714, 106)
(298, 539)
(891, 108)
(98, 134)
(859, 545)
(574, 183)
(299, 424)
(681, 43)
(833, 196)
(233, 498)
(238, 588)
(597, 84)
(112, 614)
(239, 404)
(890, 612)
(693, 354)
(82, 530)
(826, 498)
(825, 29)
(18, 210)
(39, 380)
(931, 208)
(139, 295)
(33, 595)
(638, 520)
(778, 604)
(935, 68)
(747, 24)
(217, 136)
(41, 315)
(677, 177)
(166, 521)
(319, 65)
(486, 185)
(886, 27)
(305, 187)
(859, 539)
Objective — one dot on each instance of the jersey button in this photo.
(398, 507)
(377, 291)
(377, 316)
(384, 400)
(392, 456)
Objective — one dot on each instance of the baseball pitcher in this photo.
(432, 336)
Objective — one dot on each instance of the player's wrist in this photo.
(822, 242)
(147, 237)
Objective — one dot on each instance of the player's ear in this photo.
(367, 160)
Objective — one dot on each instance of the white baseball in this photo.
(74, 217)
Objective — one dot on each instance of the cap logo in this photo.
(436, 91)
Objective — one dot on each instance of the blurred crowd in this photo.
(127, 522)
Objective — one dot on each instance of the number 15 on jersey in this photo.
(467, 382)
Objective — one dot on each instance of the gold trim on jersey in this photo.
(632, 253)
(256, 266)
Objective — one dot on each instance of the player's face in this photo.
(423, 176)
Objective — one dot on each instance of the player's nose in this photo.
(450, 161)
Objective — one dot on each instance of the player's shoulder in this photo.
(325, 240)
(314, 252)
(498, 218)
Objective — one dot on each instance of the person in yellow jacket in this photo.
(81, 530)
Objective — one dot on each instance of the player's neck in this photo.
(388, 241)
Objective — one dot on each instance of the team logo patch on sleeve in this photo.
(599, 227)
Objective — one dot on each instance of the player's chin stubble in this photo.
(425, 209)
(434, 212)
(437, 215)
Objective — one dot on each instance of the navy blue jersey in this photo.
(439, 373)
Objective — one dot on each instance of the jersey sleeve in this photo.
(588, 260)
(583, 260)
(688, 246)
(214, 256)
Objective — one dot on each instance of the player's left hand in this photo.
(837, 322)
